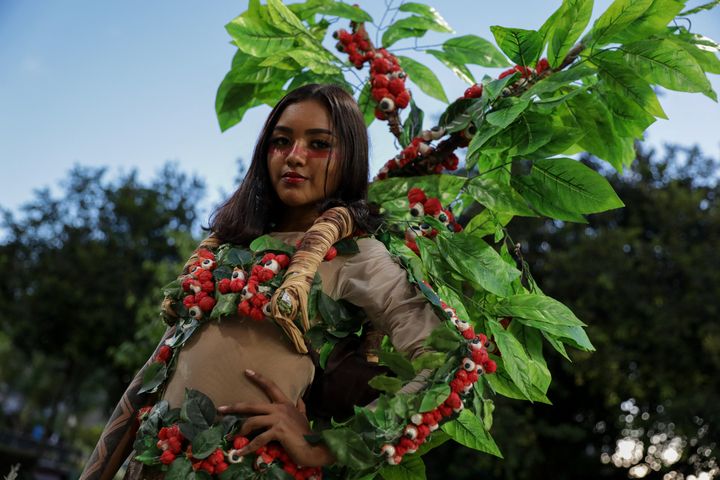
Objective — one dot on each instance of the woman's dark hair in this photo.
(248, 212)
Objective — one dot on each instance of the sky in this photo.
(131, 84)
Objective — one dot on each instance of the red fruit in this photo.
(542, 65)
(412, 246)
(380, 65)
(432, 206)
(257, 314)
(283, 260)
(461, 375)
(224, 285)
(331, 253)
(204, 253)
(506, 73)
(267, 257)
(163, 354)
(174, 444)
(379, 93)
(189, 301)
(240, 442)
(396, 86)
(403, 99)
(236, 284)
(490, 366)
(479, 356)
(265, 275)
(380, 81)
(474, 91)
(472, 377)
(167, 457)
(445, 410)
(208, 467)
(244, 308)
(415, 195)
(206, 304)
(526, 72)
(344, 36)
(469, 333)
(379, 114)
(453, 401)
(457, 385)
(143, 413)
(451, 162)
(208, 287)
(457, 227)
(204, 275)
(221, 467)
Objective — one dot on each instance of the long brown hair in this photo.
(249, 211)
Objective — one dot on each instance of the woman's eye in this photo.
(279, 141)
(320, 144)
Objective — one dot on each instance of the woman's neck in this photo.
(296, 219)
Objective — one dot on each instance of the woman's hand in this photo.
(281, 421)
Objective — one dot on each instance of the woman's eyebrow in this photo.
(309, 131)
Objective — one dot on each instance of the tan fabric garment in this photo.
(214, 360)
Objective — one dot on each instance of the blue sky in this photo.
(131, 84)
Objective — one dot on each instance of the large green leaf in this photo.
(423, 77)
(427, 12)
(434, 396)
(257, 38)
(283, 18)
(308, 76)
(624, 81)
(660, 61)
(367, 105)
(471, 49)
(478, 262)
(571, 22)
(531, 339)
(412, 126)
(314, 61)
(705, 6)
(234, 99)
(511, 110)
(458, 68)
(529, 132)
(654, 20)
(411, 468)
(498, 197)
(564, 184)
(522, 46)
(706, 57)
(514, 357)
(468, 430)
(349, 448)
(344, 10)
(616, 18)
(413, 26)
(538, 310)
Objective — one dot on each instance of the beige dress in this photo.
(214, 359)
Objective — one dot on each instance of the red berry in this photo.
(490, 366)
(506, 73)
(189, 301)
(163, 354)
(257, 314)
(403, 99)
(224, 285)
(379, 93)
(432, 206)
(240, 442)
(206, 304)
(331, 253)
(542, 65)
(380, 81)
(167, 457)
(415, 195)
(396, 86)
(244, 308)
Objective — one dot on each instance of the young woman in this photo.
(311, 153)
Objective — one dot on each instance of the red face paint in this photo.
(299, 150)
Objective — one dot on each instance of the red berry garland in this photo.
(421, 205)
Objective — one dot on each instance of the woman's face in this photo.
(302, 149)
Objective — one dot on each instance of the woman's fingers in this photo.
(246, 407)
(256, 423)
(301, 407)
(257, 442)
(273, 391)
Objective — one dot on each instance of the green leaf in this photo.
(559, 80)
(284, 18)
(367, 106)
(397, 362)
(505, 116)
(616, 18)
(434, 396)
(313, 61)
(704, 6)
(456, 67)
(522, 46)
(423, 77)
(429, 13)
(430, 360)
(234, 99)
(537, 310)
(348, 448)
(468, 430)
(235, 257)
(476, 261)
(197, 410)
(502, 384)
(413, 124)
(347, 246)
(308, 76)
(411, 468)
(498, 197)
(387, 384)
(444, 338)
(471, 49)
(154, 376)
(528, 133)
(571, 22)
(660, 61)
(494, 88)
(226, 305)
(707, 59)
(615, 73)
(556, 344)
(180, 469)
(344, 10)
(654, 20)
(391, 194)
(267, 243)
(514, 357)
(207, 441)
(413, 26)
(258, 38)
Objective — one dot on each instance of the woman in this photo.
(312, 152)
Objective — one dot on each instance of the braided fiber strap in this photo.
(292, 296)
(171, 317)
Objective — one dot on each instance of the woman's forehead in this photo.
(308, 116)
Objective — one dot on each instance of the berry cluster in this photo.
(475, 362)
(170, 441)
(215, 463)
(411, 157)
(527, 72)
(421, 205)
(275, 453)
(199, 285)
(387, 78)
(255, 294)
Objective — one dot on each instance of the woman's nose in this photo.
(297, 153)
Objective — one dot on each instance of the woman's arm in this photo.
(116, 440)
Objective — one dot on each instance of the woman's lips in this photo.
(293, 178)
